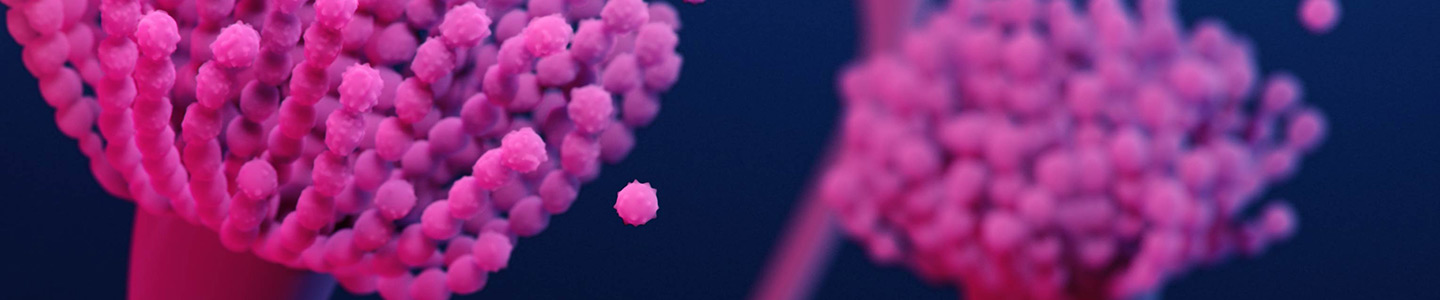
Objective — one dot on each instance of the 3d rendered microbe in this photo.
(636, 203)
(403, 147)
(1032, 149)
(1009, 149)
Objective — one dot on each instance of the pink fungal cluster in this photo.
(401, 145)
(1032, 149)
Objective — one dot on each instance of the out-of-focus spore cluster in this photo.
(1033, 149)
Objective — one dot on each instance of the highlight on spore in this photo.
(637, 203)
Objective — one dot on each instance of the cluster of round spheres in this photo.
(1033, 149)
(401, 145)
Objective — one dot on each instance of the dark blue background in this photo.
(739, 137)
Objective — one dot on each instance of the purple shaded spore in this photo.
(636, 203)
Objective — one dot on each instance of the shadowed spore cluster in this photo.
(1033, 149)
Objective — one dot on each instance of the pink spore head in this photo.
(639, 108)
(438, 223)
(394, 199)
(395, 287)
(624, 16)
(62, 89)
(616, 141)
(547, 35)
(157, 35)
(591, 41)
(358, 32)
(528, 217)
(663, 74)
(236, 46)
(44, 16)
(1138, 152)
(392, 138)
(558, 192)
(464, 276)
(393, 44)
(465, 200)
(511, 24)
(303, 140)
(447, 136)
(547, 7)
(343, 132)
(464, 26)
(527, 92)
(413, 98)
(19, 27)
(556, 69)
(621, 74)
(654, 42)
(1320, 16)
(512, 58)
(1306, 129)
(371, 231)
(591, 108)
(360, 88)
(334, 14)
(664, 13)
(432, 61)
(1281, 92)
(1002, 232)
(491, 251)
(430, 285)
(256, 180)
(523, 150)
(295, 238)
(636, 203)
(413, 248)
(580, 155)
(490, 171)
(1278, 220)
(582, 9)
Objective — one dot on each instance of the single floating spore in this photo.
(636, 203)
